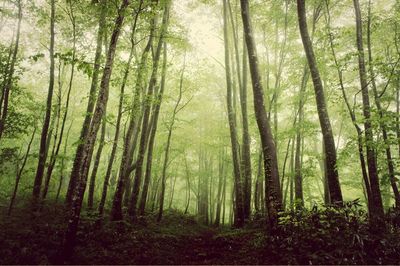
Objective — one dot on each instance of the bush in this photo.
(332, 235)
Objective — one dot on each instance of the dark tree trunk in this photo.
(91, 102)
(154, 122)
(144, 138)
(273, 194)
(54, 156)
(89, 142)
(351, 113)
(19, 173)
(119, 117)
(43, 138)
(92, 179)
(376, 209)
(9, 76)
(239, 203)
(329, 142)
(168, 146)
(382, 125)
(123, 182)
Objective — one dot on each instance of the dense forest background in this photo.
(250, 124)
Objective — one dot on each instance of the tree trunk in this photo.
(62, 168)
(19, 174)
(377, 211)
(168, 146)
(329, 142)
(144, 138)
(92, 179)
(43, 138)
(119, 118)
(91, 102)
(91, 137)
(273, 194)
(239, 203)
(382, 125)
(54, 156)
(9, 76)
(130, 136)
(351, 112)
(221, 177)
(154, 122)
(188, 187)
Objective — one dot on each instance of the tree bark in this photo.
(154, 122)
(377, 211)
(329, 142)
(88, 147)
(91, 102)
(351, 112)
(144, 138)
(130, 135)
(19, 174)
(43, 138)
(54, 156)
(92, 179)
(273, 194)
(168, 146)
(9, 76)
(382, 125)
(239, 203)
(119, 117)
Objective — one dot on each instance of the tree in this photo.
(44, 136)
(326, 128)
(88, 147)
(91, 102)
(273, 194)
(376, 210)
(239, 195)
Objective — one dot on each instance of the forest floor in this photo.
(27, 238)
(177, 239)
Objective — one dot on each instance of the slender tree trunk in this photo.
(188, 186)
(242, 81)
(88, 147)
(221, 177)
(389, 160)
(168, 146)
(130, 136)
(43, 139)
(246, 158)
(144, 138)
(351, 112)
(91, 102)
(92, 179)
(62, 168)
(377, 211)
(329, 142)
(154, 122)
(258, 201)
(297, 164)
(239, 203)
(54, 156)
(9, 76)
(19, 174)
(273, 194)
(119, 118)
